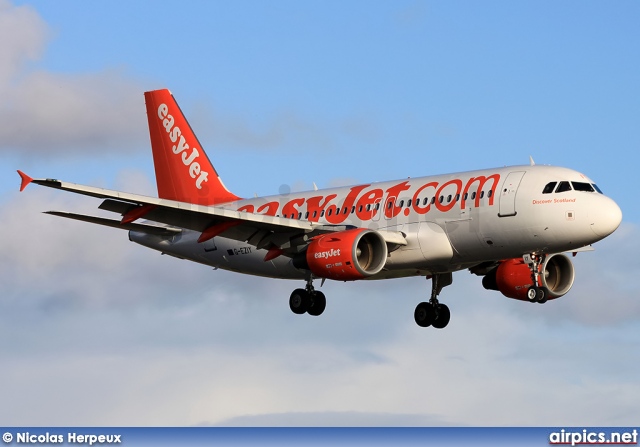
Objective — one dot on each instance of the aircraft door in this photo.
(385, 209)
(377, 210)
(508, 194)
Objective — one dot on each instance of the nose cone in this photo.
(606, 217)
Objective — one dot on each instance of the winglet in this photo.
(25, 180)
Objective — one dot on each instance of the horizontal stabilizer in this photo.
(149, 229)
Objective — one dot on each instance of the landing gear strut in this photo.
(536, 293)
(433, 313)
(307, 300)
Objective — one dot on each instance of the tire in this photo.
(318, 304)
(542, 295)
(443, 316)
(424, 314)
(532, 294)
(299, 301)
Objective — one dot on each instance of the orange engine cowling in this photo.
(345, 255)
(513, 277)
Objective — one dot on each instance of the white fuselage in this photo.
(450, 222)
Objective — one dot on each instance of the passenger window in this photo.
(425, 201)
(580, 186)
(389, 205)
(433, 200)
(482, 195)
(353, 209)
(409, 202)
(490, 193)
(563, 187)
(337, 211)
(299, 215)
(549, 188)
(449, 198)
(344, 211)
(329, 212)
(306, 215)
(457, 197)
(377, 206)
(322, 213)
(473, 195)
(315, 213)
(360, 209)
(466, 196)
(401, 203)
(368, 207)
(441, 199)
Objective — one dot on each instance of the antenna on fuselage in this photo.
(531, 162)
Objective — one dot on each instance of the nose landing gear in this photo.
(536, 293)
(433, 313)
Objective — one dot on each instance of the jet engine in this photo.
(344, 255)
(513, 277)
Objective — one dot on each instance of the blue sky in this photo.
(290, 93)
(419, 87)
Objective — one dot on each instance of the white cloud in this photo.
(22, 37)
(158, 341)
(43, 111)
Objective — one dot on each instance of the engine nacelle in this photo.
(513, 277)
(345, 255)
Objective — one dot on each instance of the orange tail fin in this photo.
(183, 170)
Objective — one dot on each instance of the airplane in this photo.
(509, 225)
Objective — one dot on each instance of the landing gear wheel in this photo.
(532, 294)
(433, 313)
(443, 315)
(318, 304)
(542, 295)
(424, 314)
(299, 301)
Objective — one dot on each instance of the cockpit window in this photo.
(549, 188)
(596, 188)
(563, 186)
(580, 186)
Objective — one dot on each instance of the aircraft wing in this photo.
(259, 230)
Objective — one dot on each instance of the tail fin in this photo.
(183, 170)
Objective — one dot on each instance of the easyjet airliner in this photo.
(510, 225)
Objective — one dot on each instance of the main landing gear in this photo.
(433, 313)
(536, 293)
(307, 300)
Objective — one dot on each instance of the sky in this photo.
(95, 330)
